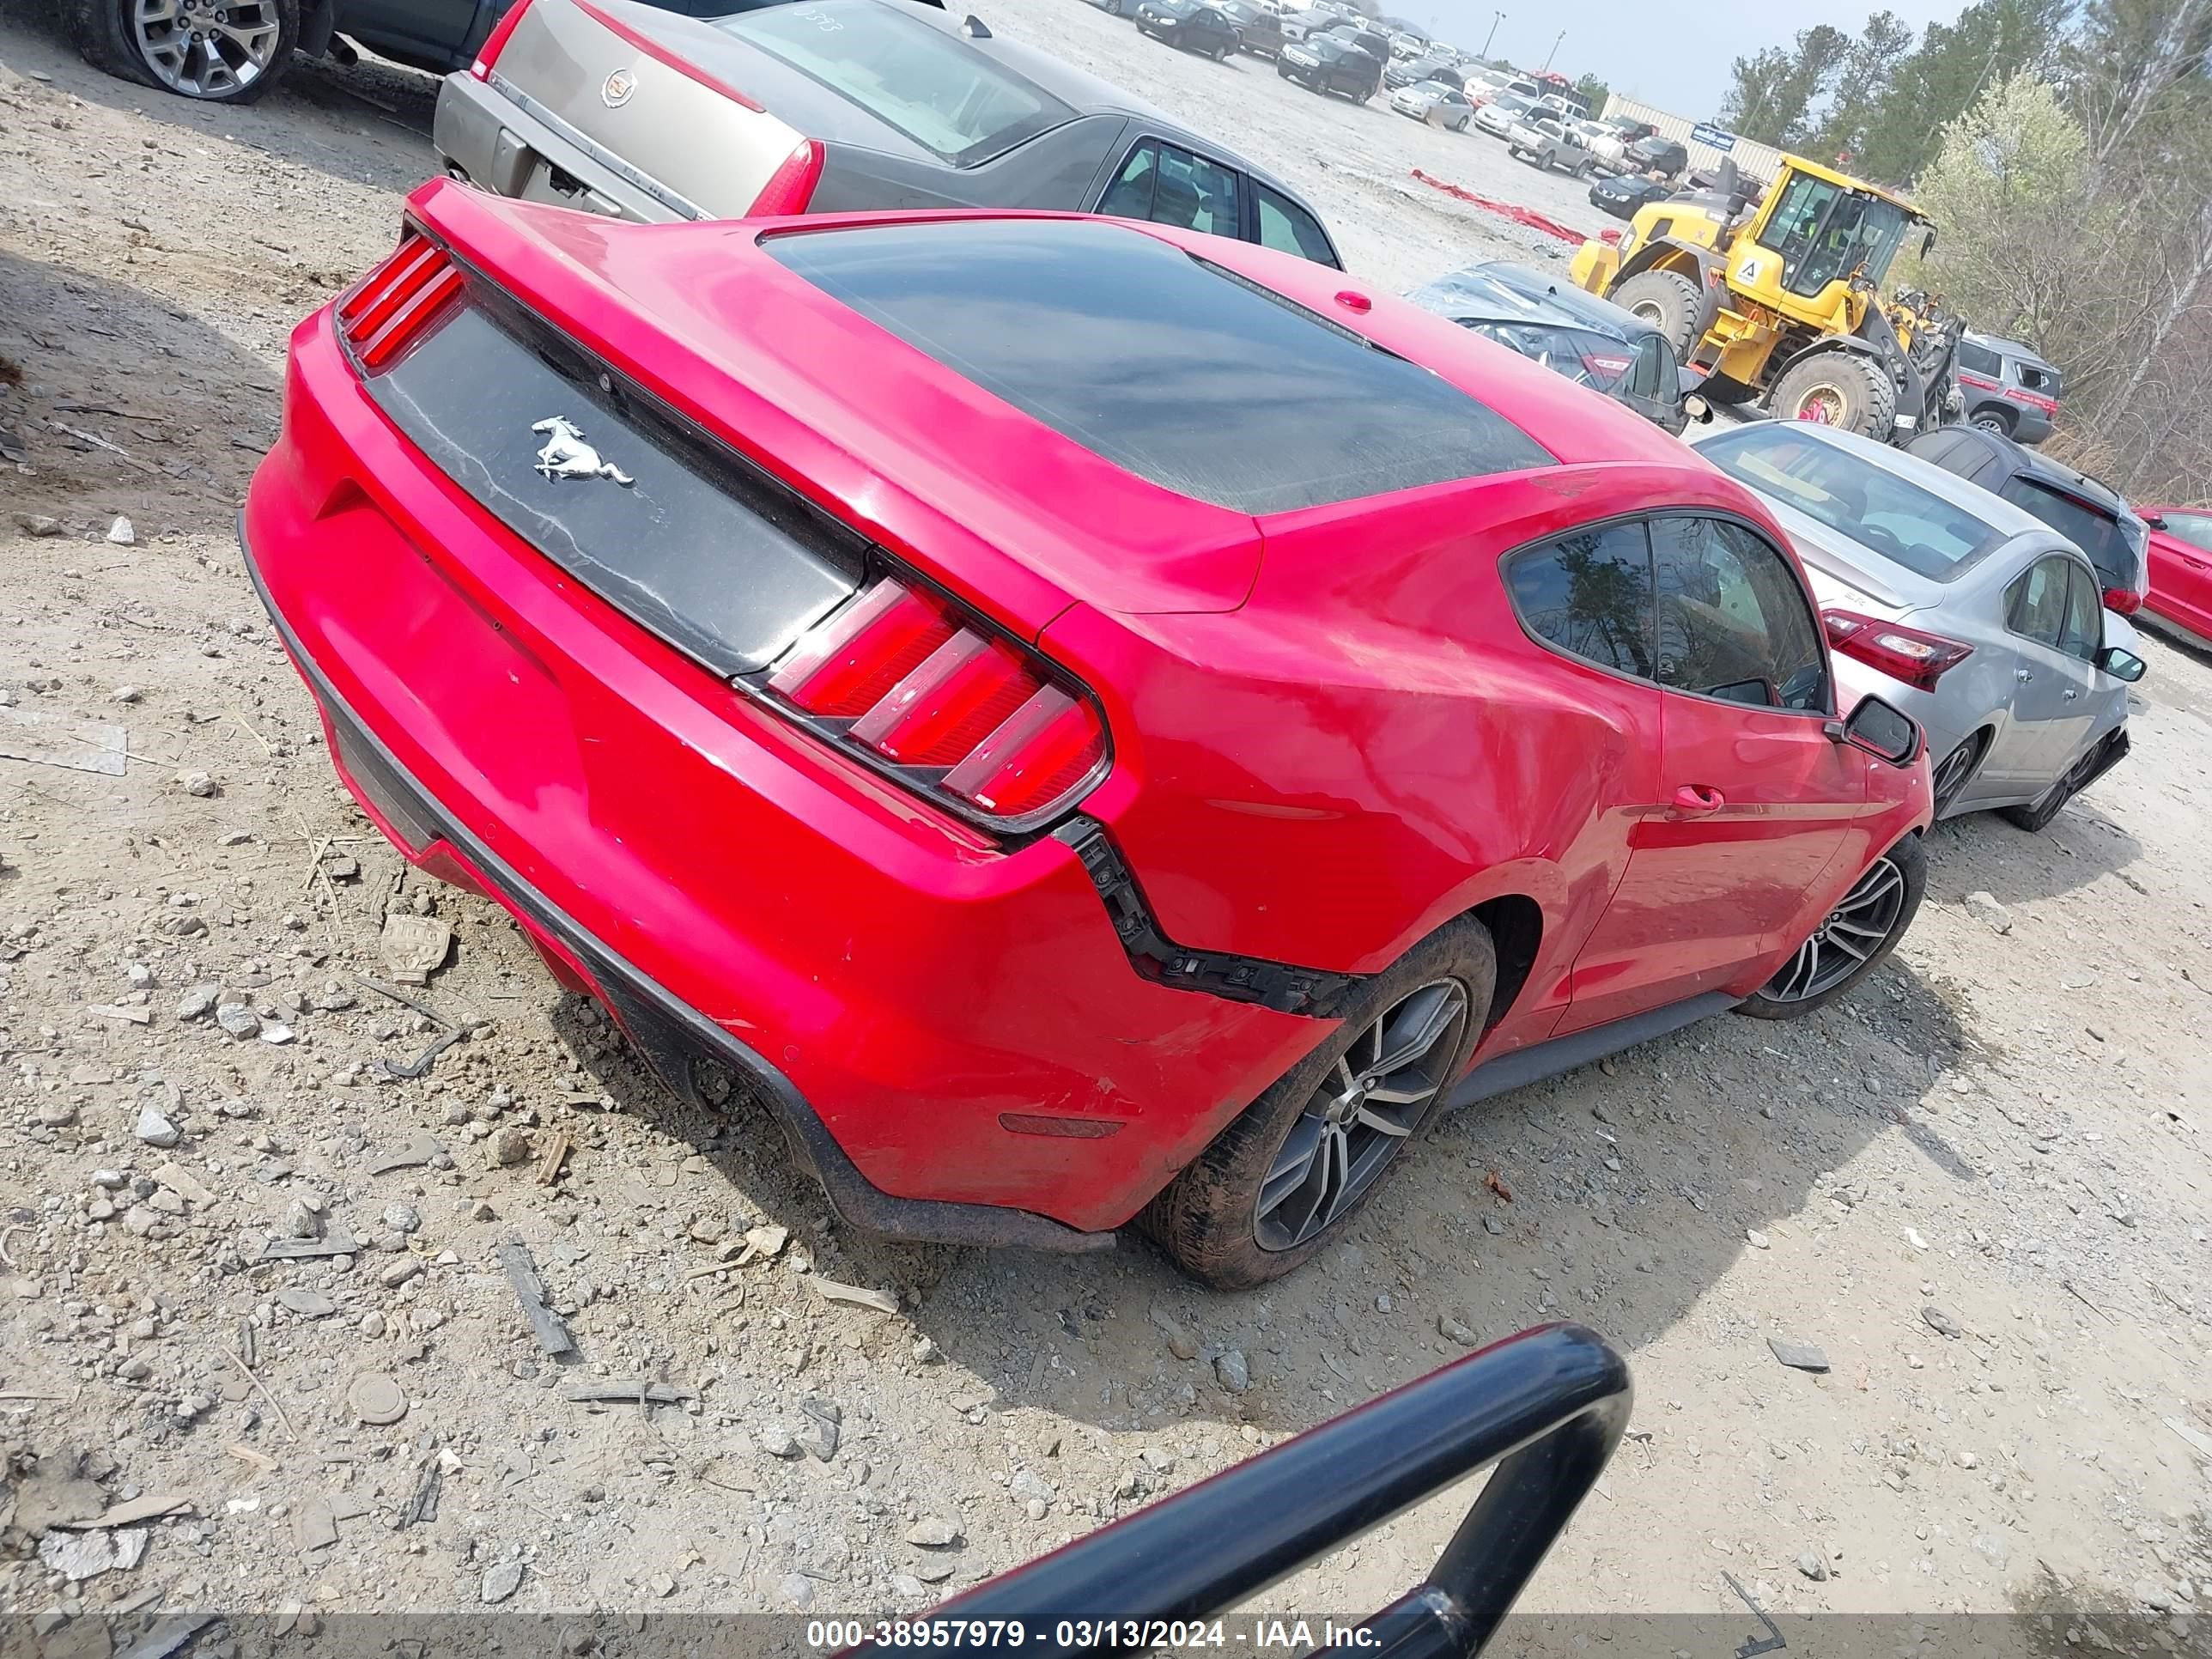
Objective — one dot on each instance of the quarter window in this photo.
(1733, 622)
(1172, 186)
(1590, 595)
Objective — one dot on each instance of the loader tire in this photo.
(1839, 389)
(1668, 301)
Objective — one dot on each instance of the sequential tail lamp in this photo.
(397, 301)
(1905, 654)
(945, 703)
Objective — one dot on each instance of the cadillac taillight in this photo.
(945, 703)
(397, 301)
(495, 42)
(1918, 659)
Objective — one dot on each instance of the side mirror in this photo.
(2122, 665)
(1884, 733)
(2155, 520)
(1697, 408)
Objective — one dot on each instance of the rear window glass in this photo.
(2096, 533)
(1170, 368)
(1882, 513)
(1584, 357)
(934, 88)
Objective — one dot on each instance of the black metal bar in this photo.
(1550, 1402)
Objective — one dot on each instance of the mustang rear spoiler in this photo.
(1548, 1407)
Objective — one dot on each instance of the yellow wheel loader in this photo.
(1780, 300)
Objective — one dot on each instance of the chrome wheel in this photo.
(1367, 1105)
(206, 48)
(1854, 931)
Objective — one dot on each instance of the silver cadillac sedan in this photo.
(1976, 618)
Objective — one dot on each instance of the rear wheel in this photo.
(1840, 389)
(1994, 420)
(1284, 1177)
(217, 51)
(1956, 767)
(1863, 928)
(1665, 298)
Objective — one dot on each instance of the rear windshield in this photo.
(2096, 532)
(933, 86)
(1170, 368)
(1882, 513)
(1584, 357)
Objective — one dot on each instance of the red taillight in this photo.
(791, 186)
(2123, 600)
(495, 42)
(1905, 654)
(958, 709)
(396, 301)
(1606, 367)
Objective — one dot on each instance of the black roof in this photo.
(2019, 461)
(1176, 369)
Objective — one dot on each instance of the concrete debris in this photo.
(415, 947)
(1798, 1356)
(830, 1290)
(376, 1398)
(1230, 1370)
(120, 531)
(933, 1531)
(501, 1582)
(1984, 908)
(156, 1130)
(196, 783)
(551, 1334)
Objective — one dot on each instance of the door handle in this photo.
(1695, 800)
(2022, 675)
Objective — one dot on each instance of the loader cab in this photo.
(1819, 229)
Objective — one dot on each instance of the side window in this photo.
(1590, 595)
(1733, 622)
(2084, 629)
(1172, 186)
(1289, 229)
(1980, 358)
(2194, 528)
(1647, 378)
(2035, 605)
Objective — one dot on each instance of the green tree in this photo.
(1595, 91)
(1954, 63)
(1774, 91)
(1869, 68)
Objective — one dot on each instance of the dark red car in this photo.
(2180, 559)
(1077, 716)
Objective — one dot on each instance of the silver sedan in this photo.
(1980, 620)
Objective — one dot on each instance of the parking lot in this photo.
(1979, 1184)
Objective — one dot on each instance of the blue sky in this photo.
(1666, 53)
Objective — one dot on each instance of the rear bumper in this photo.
(898, 987)
(496, 143)
(668, 1035)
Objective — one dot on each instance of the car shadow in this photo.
(1980, 852)
(368, 124)
(1617, 1195)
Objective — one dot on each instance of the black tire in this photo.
(1775, 999)
(1955, 768)
(1207, 1219)
(2037, 815)
(105, 33)
(1993, 419)
(1851, 391)
(1668, 301)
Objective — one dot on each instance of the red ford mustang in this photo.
(1081, 718)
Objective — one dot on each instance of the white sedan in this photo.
(1499, 115)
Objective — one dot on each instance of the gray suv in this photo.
(2009, 388)
(828, 106)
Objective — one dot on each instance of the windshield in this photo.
(909, 75)
(1585, 358)
(1506, 104)
(2098, 534)
(1880, 512)
(1824, 232)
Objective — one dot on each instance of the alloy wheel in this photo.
(205, 48)
(1852, 932)
(1366, 1107)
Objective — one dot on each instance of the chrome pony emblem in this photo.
(566, 455)
(615, 90)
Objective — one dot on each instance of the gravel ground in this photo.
(1980, 1185)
